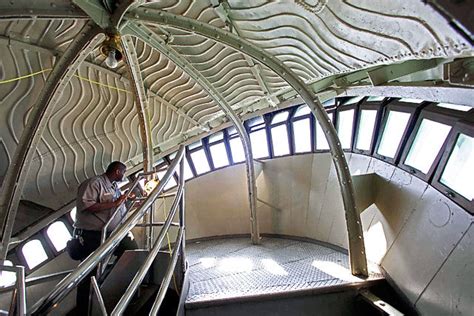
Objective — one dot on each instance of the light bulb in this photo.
(111, 61)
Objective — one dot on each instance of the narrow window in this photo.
(366, 129)
(302, 134)
(200, 161)
(321, 142)
(456, 107)
(58, 234)
(280, 140)
(73, 214)
(428, 141)
(218, 150)
(393, 133)
(237, 149)
(34, 253)
(459, 170)
(259, 143)
(219, 155)
(7, 278)
(345, 125)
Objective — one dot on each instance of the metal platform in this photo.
(229, 268)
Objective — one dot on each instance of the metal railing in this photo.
(18, 301)
(66, 285)
(140, 275)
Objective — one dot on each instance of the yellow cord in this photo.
(25, 76)
(77, 76)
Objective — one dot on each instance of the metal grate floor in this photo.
(233, 267)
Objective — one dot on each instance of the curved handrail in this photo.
(72, 280)
(140, 275)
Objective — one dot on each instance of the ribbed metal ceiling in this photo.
(96, 122)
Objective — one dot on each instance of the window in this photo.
(236, 147)
(258, 137)
(408, 100)
(375, 99)
(302, 135)
(200, 161)
(73, 214)
(34, 253)
(353, 100)
(393, 132)
(456, 107)
(58, 234)
(188, 174)
(218, 150)
(427, 144)
(279, 134)
(321, 142)
(259, 143)
(345, 124)
(366, 129)
(7, 278)
(459, 170)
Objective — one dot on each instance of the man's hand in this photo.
(120, 200)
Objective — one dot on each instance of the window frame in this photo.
(312, 127)
(48, 249)
(289, 132)
(188, 153)
(224, 140)
(265, 126)
(461, 127)
(229, 148)
(436, 114)
(370, 105)
(329, 111)
(355, 118)
(50, 242)
(395, 105)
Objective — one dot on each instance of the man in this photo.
(97, 200)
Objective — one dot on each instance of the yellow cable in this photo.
(102, 84)
(77, 76)
(25, 76)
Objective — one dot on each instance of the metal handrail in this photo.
(169, 273)
(19, 294)
(140, 275)
(72, 280)
(37, 280)
(96, 289)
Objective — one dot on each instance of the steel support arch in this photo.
(141, 101)
(354, 227)
(146, 35)
(56, 82)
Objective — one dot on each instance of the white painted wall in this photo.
(422, 239)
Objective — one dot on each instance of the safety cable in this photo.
(77, 76)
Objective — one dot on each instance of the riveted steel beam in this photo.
(39, 9)
(141, 100)
(149, 37)
(356, 240)
(57, 81)
(422, 91)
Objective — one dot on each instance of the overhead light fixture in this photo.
(112, 51)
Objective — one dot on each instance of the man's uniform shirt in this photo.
(98, 189)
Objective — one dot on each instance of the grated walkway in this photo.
(233, 267)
